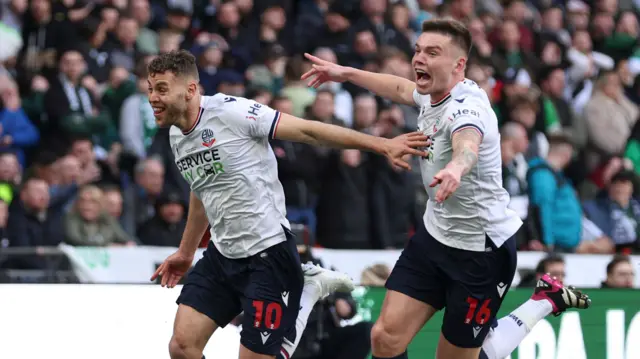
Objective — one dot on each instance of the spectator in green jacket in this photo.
(89, 225)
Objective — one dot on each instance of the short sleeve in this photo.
(251, 118)
(468, 116)
(419, 99)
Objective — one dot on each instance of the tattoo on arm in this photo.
(465, 149)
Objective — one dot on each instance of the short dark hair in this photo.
(458, 32)
(180, 63)
(110, 187)
(617, 259)
(523, 101)
(541, 268)
(32, 178)
(326, 91)
(560, 139)
(278, 98)
(73, 139)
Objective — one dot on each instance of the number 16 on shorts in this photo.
(478, 310)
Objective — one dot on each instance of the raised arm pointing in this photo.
(397, 89)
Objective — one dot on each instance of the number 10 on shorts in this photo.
(272, 314)
(482, 314)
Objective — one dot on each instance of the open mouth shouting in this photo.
(422, 78)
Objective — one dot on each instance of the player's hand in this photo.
(396, 148)
(323, 71)
(173, 268)
(449, 179)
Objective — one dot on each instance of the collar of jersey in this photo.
(196, 123)
(445, 99)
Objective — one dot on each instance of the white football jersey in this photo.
(228, 162)
(478, 208)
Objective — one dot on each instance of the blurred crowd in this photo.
(82, 161)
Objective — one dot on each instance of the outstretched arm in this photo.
(291, 128)
(466, 143)
(394, 88)
(197, 224)
(397, 89)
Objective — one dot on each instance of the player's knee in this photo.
(179, 348)
(386, 340)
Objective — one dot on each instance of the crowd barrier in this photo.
(135, 265)
(45, 321)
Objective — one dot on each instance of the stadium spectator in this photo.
(508, 52)
(70, 106)
(34, 221)
(343, 108)
(83, 150)
(555, 112)
(620, 273)
(17, 133)
(365, 112)
(585, 66)
(391, 194)
(513, 143)
(300, 167)
(343, 210)
(42, 38)
(632, 146)
(89, 225)
(523, 110)
(554, 199)
(365, 49)
(323, 108)
(12, 13)
(578, 15)
(4, 218)
(166, 226)
(273, 28)
(137, 123)
(552, 264)
(209, 53)
(335, 33)
(10, 170)
(67, 177)
(600, 178)
(141, 196)
(608, 137)
(296, 90)
(124, 51)
(616, 212)
(147, 39)
(113, 203)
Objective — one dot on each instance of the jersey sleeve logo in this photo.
(208, 138)
(229, 99)
(253, 111)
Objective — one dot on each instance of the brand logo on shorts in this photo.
(501, 288)
(285, 298)
(207, 138)
(265, 336)
(476, 331)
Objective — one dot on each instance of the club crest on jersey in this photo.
(208, 138)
